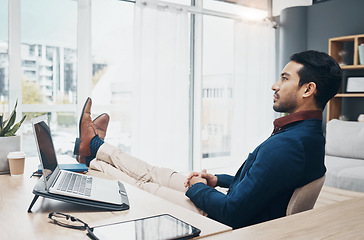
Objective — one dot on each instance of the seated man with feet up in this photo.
(260, 190)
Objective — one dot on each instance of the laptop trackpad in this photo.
(106, 190)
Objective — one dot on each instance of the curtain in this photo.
(253, 98)
(160, 120)
(161, 86)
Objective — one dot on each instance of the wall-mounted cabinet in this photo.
(345, 50)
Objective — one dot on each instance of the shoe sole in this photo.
(76, 150)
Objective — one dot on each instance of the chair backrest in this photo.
(304, 198)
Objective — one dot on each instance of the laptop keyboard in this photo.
(76, 183)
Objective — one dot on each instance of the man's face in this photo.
(286, 89)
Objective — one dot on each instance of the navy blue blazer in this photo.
(262, 187)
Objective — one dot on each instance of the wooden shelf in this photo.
(352, 67)
(346, 38)
(339, 48)
(349, 95)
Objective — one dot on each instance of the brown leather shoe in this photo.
(87, 130)
(101, 123)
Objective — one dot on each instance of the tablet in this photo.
(73, 167)
(158, 227)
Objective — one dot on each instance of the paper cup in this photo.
(16, 163)
(361, 118)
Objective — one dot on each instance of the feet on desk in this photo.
(88, 129)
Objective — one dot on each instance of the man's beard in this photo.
(286, 106)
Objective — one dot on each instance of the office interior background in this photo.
(172, 103)
(187, 84)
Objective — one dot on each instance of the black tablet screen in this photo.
(157, 227)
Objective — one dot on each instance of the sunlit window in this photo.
(112, 51)
(217, 82)
(164, 71)
(4, 57)
(49, 69)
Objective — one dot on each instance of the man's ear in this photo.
(310, 89)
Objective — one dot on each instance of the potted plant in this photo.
(9, 142)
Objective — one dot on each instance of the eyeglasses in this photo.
(68, 221)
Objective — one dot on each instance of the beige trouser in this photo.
(162, 182)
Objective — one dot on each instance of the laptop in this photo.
(67, 183)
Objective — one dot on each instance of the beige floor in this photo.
(331, 195)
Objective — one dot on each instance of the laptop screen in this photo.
(45, 147)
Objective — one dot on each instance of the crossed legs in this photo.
(162, 182)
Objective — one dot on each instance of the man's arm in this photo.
(276, 169)
(224, 180)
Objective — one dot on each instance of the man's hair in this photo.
(323, 70)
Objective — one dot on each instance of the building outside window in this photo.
(112, 68)
(49, 69)
(123, 52)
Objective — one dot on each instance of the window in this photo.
(112, 56)
(49, 69)
(165, 71)
(4, 57)
(217, 83)
(217, 80)
(219, 133)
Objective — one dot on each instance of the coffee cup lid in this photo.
(17, 154)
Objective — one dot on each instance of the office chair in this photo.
(304, 198)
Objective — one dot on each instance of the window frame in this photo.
(14, 51)
(84, 73)
(83, 53)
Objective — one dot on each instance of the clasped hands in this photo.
(203, 177)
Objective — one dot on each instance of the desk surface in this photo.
(16, 223)
(342, 220)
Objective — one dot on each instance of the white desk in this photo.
(16, 223)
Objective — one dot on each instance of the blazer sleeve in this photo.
(224, 180)
(277, 167)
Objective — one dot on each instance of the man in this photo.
(261, 189)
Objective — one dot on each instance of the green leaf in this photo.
(1, 121)
(8, 123)
(12, 131)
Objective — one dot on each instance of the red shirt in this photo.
(283, 122)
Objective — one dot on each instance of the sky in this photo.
(43, 21)
(54, 22)
(3, 20)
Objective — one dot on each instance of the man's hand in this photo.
(196, 179)
(204, 177)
